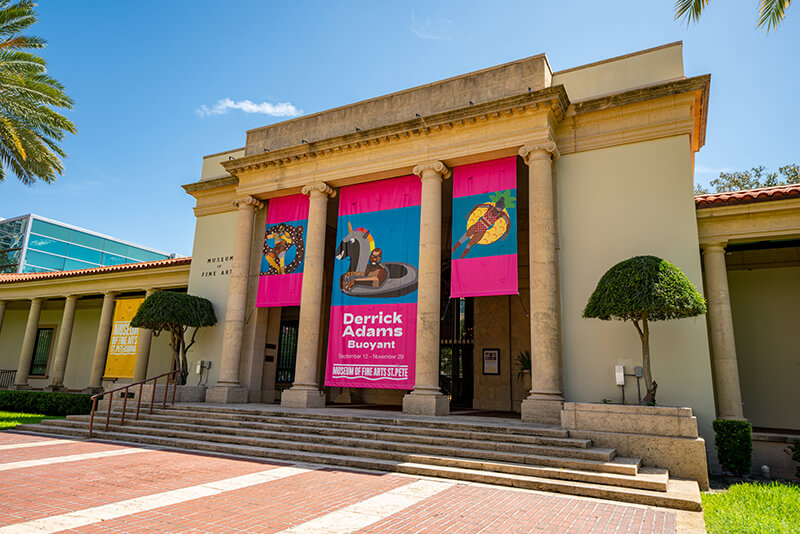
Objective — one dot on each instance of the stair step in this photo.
(436, 423)
(371, 449)
(679, 494)
(619, 465)
(503, 452)
(363, 430)
(225, 425)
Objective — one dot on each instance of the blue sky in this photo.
(142, 73)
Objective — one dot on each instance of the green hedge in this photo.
(45, 402)
(734, 445)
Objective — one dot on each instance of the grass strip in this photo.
(12, 419)
(753, 508)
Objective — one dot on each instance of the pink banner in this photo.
(283, 255)
(484, 236)
(372, 336)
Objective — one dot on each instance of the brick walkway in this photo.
(167, 491)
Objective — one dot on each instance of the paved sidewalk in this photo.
(60, 485)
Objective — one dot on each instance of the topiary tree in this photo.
(175, 313)
(642, 289)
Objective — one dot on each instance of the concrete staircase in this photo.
(492, 451)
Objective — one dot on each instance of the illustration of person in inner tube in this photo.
(374, 274)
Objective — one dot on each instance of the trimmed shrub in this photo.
(734, 445)
(794, 452)
(45, 402)
(642, 289)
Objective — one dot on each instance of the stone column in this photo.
(305, 392)
(143, 349)
(228, 388)
(543, 405)
(426, 398)
(28, 344)
(101, 344)
(720, 319)
(62, 346)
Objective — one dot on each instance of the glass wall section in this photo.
(12, 236)
(55, 247)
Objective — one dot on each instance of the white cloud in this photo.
(700, 169)
(282, 109)
(438, 30)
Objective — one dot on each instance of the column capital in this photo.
(72, 297)
(150, 290)
(425, 169)
(110, 294)
(545, 148)
(247, 202)
(319, 187)
(37, 299)
(718, 246)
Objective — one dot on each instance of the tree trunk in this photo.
(184, 364)
(644, 337)
(176, 343)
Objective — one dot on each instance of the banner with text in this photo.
(484, 255)
(372, 337)
(121, 357)
(283, 256)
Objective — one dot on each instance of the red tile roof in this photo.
(778, 192)
(25, 277)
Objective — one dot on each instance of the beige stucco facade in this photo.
(602, 140)
(605, 172)
(89, 289)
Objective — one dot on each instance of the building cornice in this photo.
(697, 84)
(98, 282)
(204, 185)
(553, 98)
(778, 219)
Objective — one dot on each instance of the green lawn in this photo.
(12, 419)
(753, 509)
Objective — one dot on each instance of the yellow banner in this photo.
(121, 358)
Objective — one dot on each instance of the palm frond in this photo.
(30, 129)
(16, 17)
(771, 13)
(690, 9)
(23, 41)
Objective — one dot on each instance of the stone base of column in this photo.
(19, 387)
(426, 404)
(542, 411)
(51, 387)
(302, 398)
(227, 395)
(92, 390)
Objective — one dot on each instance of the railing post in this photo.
(153, 396)
(139, 400)
(124, 406)
(91, 417)
(108, 412)
(166, 389)
(174, 387)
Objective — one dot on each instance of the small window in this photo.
(41, 351)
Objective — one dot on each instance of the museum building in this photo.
(508, 192)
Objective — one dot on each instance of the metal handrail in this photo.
(141, 384)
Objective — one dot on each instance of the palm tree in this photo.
(770, 12)
(29, 127)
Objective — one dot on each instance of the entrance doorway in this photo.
(456, 349)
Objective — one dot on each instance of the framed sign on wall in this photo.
(491, 361)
